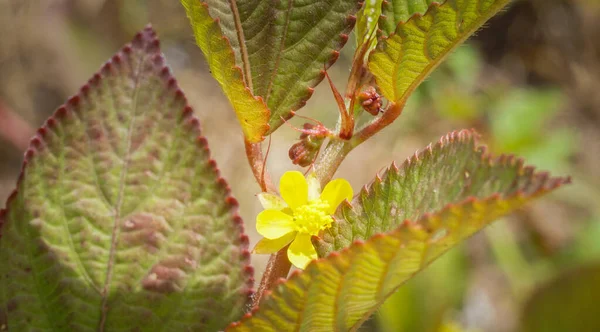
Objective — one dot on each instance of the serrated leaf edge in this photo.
(148, 40)
(433, 64)
(384, 17)
(275, 123)
(452, 137)
(264, 129)
(548, 184)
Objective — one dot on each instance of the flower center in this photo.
(312, 217)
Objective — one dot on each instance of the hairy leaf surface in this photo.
(282, 46)
(252, 112)
(339, 292)
(120, 220)
(397, 11)
(404, 59)
(368, 17)
(452, 171)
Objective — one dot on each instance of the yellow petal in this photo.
(314, 187)
(336, 192)
(274, 224)
(301, 251)
(293, 189)
(267, 246)
(271, 202)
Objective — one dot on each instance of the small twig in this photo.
(335, 152)
(346, 116)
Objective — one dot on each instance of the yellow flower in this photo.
(301, 212)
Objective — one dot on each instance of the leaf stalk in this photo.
(258, 165)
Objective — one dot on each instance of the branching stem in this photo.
(337, 150)
(325, 167)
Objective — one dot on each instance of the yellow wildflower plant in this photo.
(301, 212)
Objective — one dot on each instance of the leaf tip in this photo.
(335, 55)
(146, 40)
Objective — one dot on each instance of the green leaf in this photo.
(367, 20)
(398, 11)
(403, 60)
(251, 111)
(120, 220)
(339, 292)
(566, 303)
(282, 46)
(453, 171)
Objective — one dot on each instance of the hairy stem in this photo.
(325, 167)
(337, 150)
(258, 165)
(278, 267)
(330, 159)
(391, 113)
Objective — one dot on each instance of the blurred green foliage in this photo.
(515, 120)
(513, 115)
(567, 303)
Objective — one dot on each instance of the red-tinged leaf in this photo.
(281, 46)
(405, 58)
(453, 171)
(435, 200)
(395, 12)
(120, 220)
(251, 111)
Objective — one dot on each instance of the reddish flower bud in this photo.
(370, 100)
(305, 152)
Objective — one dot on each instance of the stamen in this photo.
(312, 217)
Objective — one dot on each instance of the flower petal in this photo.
(314, 187)
(336, 192)
(268, 246)
(271, 202)
(301, 251)
(274, 224)
(293, 189)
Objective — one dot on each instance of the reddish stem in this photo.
(335, 152)
(390, 114)
(278, 267)
(258, 165)
(346, 116)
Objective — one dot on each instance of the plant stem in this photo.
(278, 267)
(330, 159)
(336, 150)
(325, 167)
(258, 166)
(391, 113)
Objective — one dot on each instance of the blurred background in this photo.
(529, 83)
